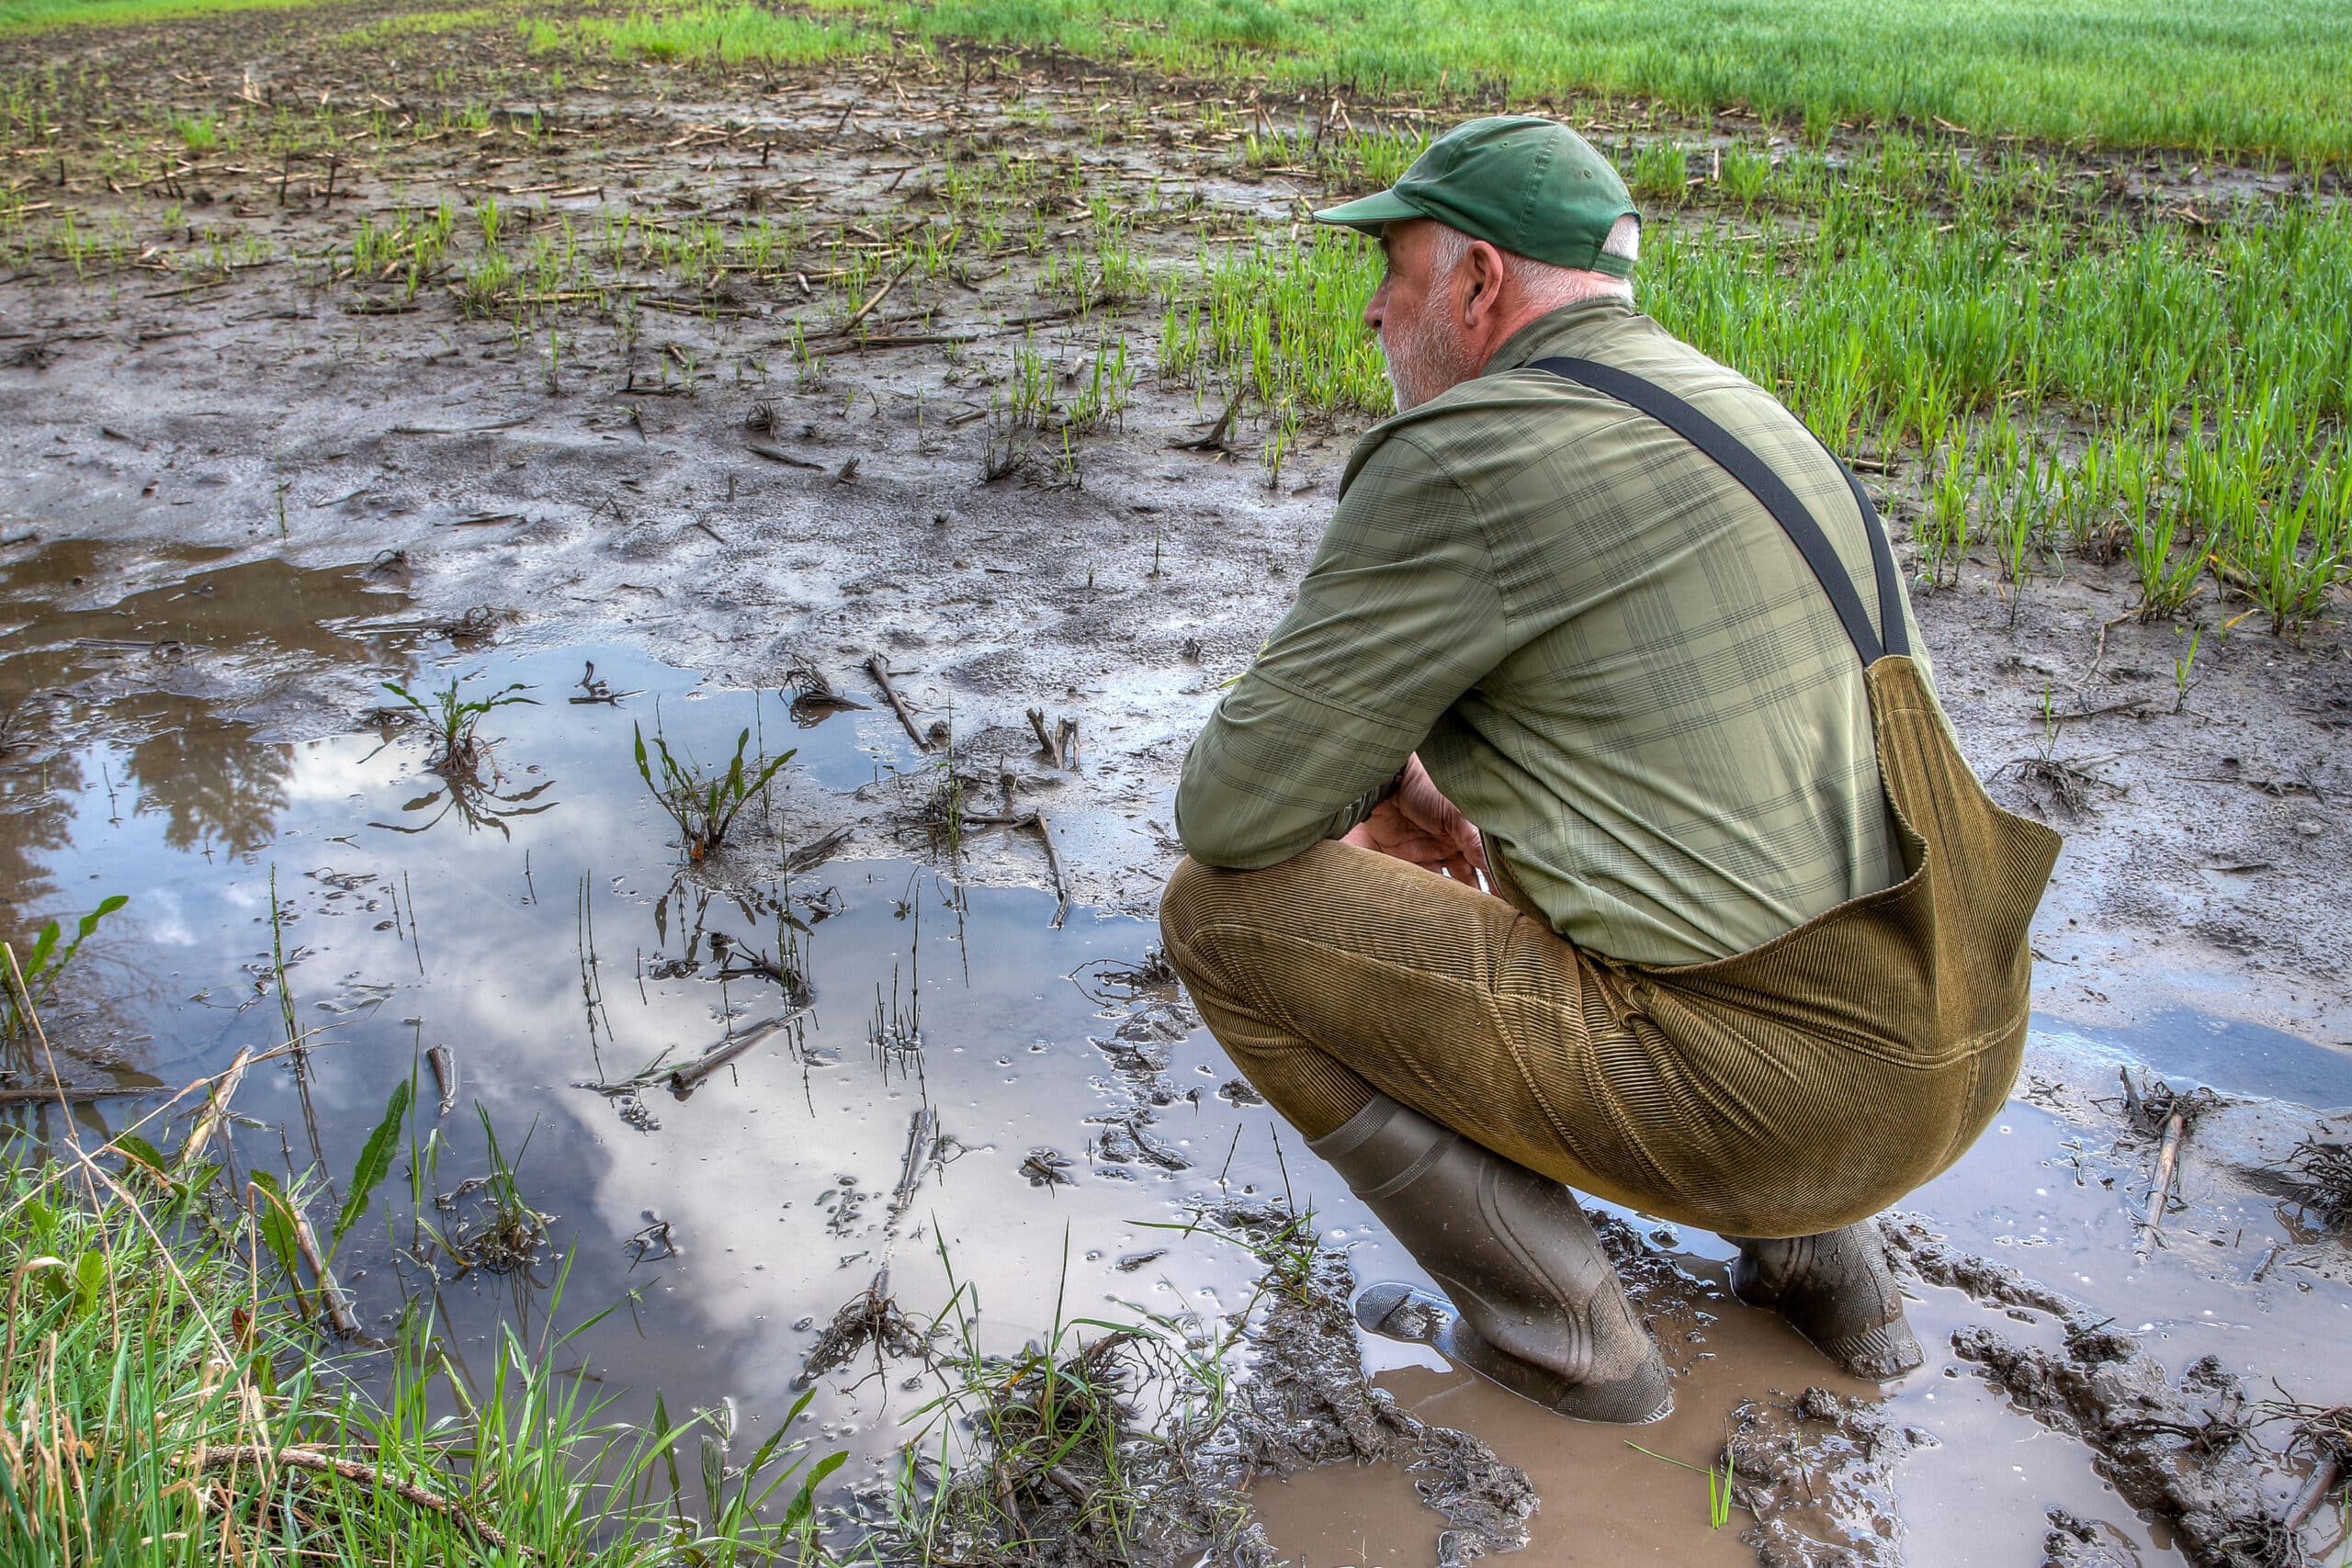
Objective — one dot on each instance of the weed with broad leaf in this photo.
(703, 806)
(26, 983)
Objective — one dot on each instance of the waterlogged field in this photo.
(2067, 357)
(720, 1155)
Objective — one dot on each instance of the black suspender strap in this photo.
(1735, 458)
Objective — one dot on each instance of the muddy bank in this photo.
(1119, 1451)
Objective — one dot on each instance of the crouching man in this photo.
(1600, 626)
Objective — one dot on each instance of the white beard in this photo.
(1424, 357)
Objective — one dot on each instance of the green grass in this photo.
(729, 35)
(169, 1396)
(2257, 76)
(2082, 390)
(2072, 386)
(35, 16)
(1283, 321)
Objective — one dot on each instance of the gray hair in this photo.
(1545, 284)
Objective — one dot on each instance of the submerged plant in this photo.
(26, 981)
(703, 807)
(486, 1225)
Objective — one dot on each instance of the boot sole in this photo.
(1418, 1317)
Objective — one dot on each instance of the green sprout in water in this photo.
(457, 751)
(703, 807)
(1719, 1482)
(27, 983)
(459, 756)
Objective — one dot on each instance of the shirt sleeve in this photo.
(1398, 616)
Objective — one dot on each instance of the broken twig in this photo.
(778, 455)
(71, 1095)
(875, 667)
(224, 1456)
(684, 1080)
(2175, 1126)
(2324, 1477)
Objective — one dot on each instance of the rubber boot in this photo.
(1836, 1291)
(1534, 1304)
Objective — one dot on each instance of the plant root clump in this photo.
(872, 1317)
(491, 1228)
(2320, 1172)
(2150, 1106)
(2322, 1433)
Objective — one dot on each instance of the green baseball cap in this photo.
(1529, 186)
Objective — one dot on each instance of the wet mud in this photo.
(233, 512)
(1819, 1477)
(1298, 1403)
(2187, 1450)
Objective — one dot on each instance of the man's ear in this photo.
(1483, 275)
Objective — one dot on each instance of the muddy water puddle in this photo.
(2060, 1204)
(541, 933)
(973, 1100)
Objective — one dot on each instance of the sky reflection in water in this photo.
(774, 1176)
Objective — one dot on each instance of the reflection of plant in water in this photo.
(16, 729)
(896, 1033)
(1105, 980)
(39, 813)
(452, 719)
(459, 758)
(213, 778)
(26, 979)
(703, 807)
(477, 804)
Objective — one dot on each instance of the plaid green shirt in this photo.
(1605, 650)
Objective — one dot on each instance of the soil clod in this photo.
(1818, 1474)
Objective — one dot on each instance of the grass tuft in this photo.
(704, 805)
(168, 1404)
